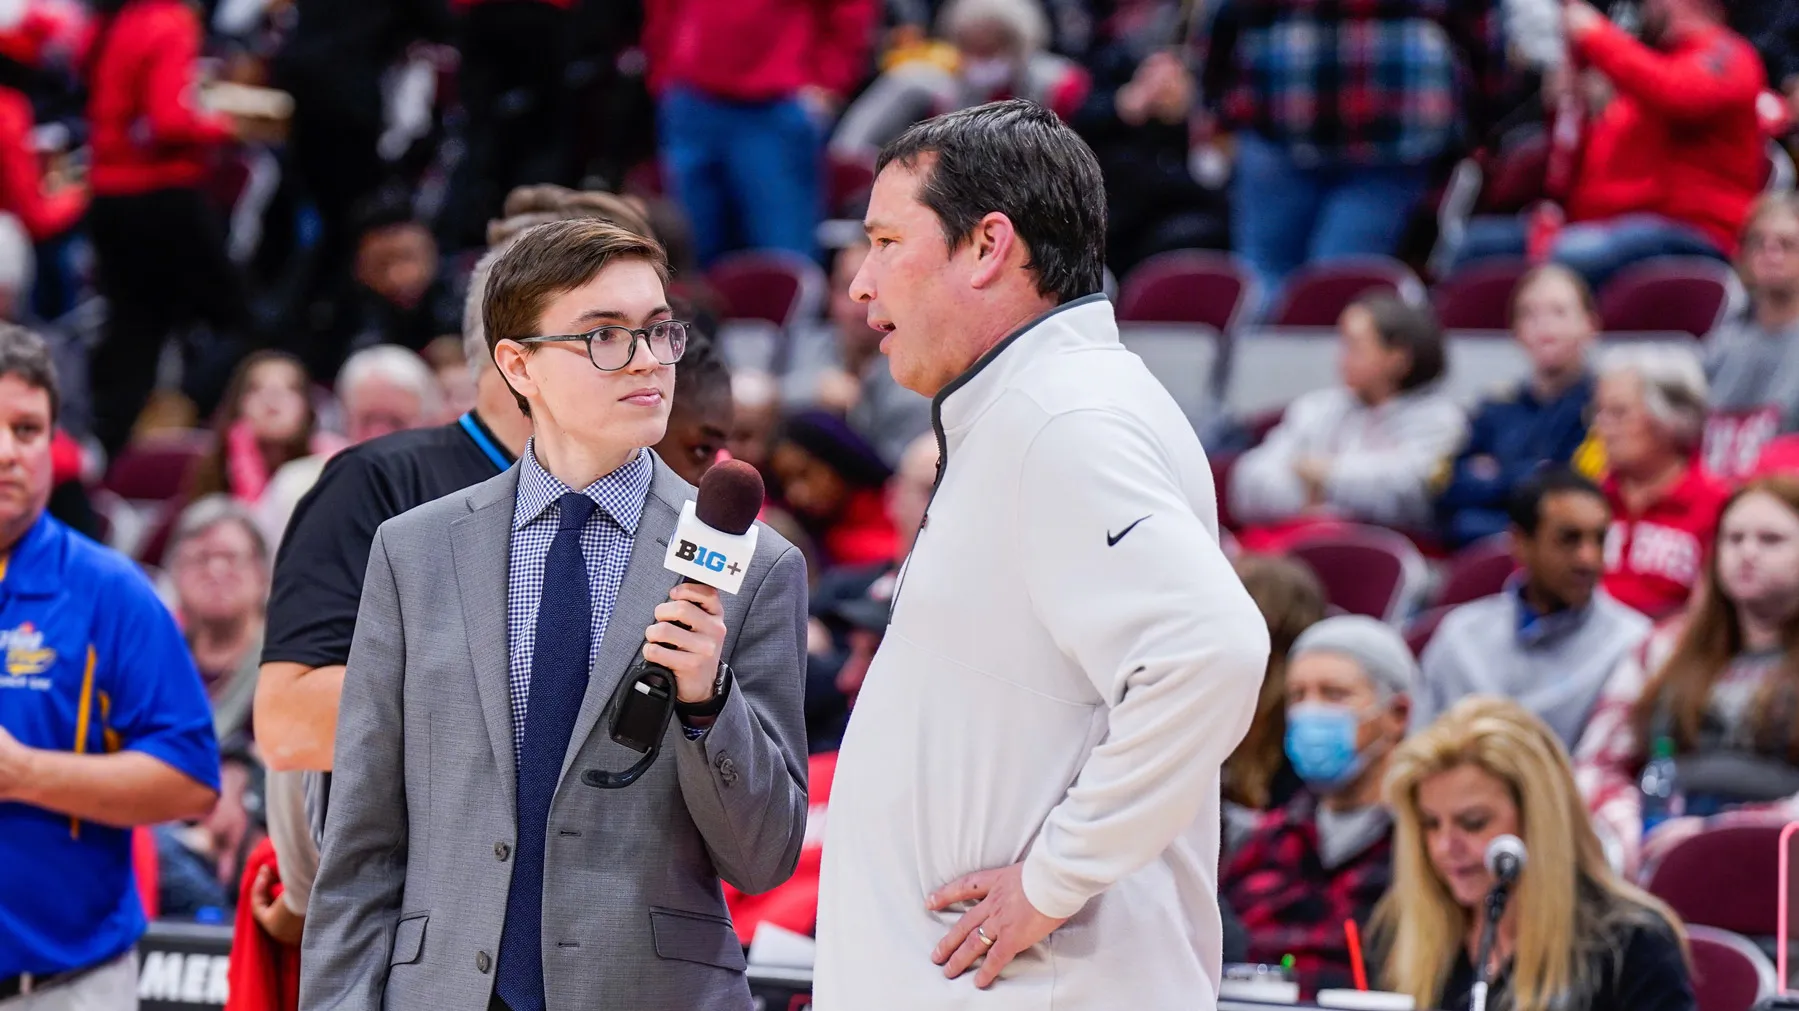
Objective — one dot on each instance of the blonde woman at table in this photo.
(1575, 935)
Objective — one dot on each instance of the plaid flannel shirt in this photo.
(1370, 82)
(1291, 905)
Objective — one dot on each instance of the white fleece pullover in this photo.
(1070, 661)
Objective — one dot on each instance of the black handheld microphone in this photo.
(713, 543)
(1505, 860)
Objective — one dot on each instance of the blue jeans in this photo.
(1595, 250)
(749, 174)
(1285, 215)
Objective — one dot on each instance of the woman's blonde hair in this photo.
(1573, 900)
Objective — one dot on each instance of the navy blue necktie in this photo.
(558, 682)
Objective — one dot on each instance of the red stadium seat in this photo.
(1723, 877)
(1678, 294)
(1478, 570)
(850, 180)
(154, 469)
(1729, 972)
(1365, 570)
(1318, 293)
(1186, 286)
(771, 285)
(1479, 297)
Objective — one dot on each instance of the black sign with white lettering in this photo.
(183, 967)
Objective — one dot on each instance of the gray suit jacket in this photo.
(411, 892)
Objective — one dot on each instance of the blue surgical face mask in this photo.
(1321, 743)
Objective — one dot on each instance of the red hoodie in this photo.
(1681, 139)
(44, 214)
(1653, 559)
(758, 50)
(148, 132)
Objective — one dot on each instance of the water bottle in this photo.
(1662, 799)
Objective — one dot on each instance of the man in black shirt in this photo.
(318, 571)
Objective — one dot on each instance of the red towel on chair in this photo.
(265, 974)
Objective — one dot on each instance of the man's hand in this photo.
(1580, 19)
(697, 646)
(271, 910)
(15, 766)
(1000, 926)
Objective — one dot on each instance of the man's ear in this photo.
(995, 242)
(509, 358)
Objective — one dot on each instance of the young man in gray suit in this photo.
(469, 861)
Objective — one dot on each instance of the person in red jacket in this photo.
(1670, 164)
(45, 208)
(1650, 409)
(160, 245)
(746, 89)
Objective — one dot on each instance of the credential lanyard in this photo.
(482, 442)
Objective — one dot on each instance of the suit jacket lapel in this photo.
(645, 585)
(480, 543)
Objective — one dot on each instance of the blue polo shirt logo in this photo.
(26, 654)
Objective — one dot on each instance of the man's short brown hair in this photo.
(24, 353)
(551, 259)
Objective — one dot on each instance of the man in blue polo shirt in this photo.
(103, 725)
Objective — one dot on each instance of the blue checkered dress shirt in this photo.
(605, 545)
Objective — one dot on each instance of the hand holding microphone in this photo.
(711, 548)
(687, 639)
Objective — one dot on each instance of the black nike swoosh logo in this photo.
(1113, 539)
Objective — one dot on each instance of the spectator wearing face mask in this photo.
(1752, 360)
(1326, 857)
(999, 49)
(1551, 638)
(1541, 420)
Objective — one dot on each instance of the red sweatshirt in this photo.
(1653, 559)
(21, 175)
(148, 132)
(757, 50)
(1682, 138)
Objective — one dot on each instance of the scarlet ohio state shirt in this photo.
(1654, 558)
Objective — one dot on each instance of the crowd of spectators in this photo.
(250, 289)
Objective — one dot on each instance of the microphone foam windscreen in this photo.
(730, 497)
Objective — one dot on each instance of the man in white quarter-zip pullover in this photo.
(1025, 814)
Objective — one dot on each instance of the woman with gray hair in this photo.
(219, 572)
(1650, 409)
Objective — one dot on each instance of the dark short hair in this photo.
(385, 208)
(546, 261)
(702, 373)
(1525, 504)
(1017, 158)
(24, 353)
(1413, 329)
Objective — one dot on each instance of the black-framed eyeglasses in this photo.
(612, 347)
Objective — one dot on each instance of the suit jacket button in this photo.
(482, 962)
(502, 851)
